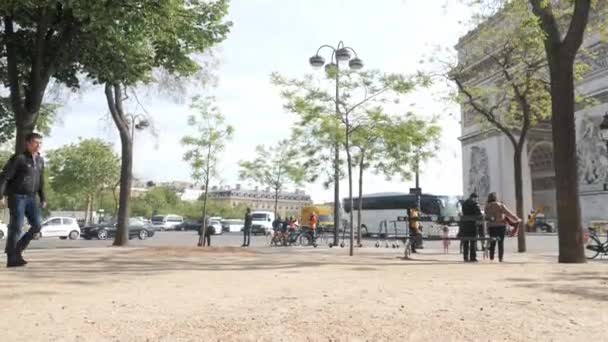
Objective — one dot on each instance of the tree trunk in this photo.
(360, 204)
(337, 218)
(519, 197)
(350, 199)
(203, 229)
(276, 201)
(25, 125)
(115, 103)
(94, 202)
(571, 247)
(87, 211)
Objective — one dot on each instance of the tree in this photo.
(562, 26)
(516, 97)
(392, 145)
(274, 167)
(38, 44)
(317, 108)
(84, 169)
(205, 147)
(8, 126)
(561, 52)
(129, 45)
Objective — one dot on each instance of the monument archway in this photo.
(542, 174)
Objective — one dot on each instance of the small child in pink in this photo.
(446, 241)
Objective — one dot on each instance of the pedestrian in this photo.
(471, 216)
(414, 226)
(498, 216)
(247, 229)
(446, 239)
(22, 181)
(314, 219)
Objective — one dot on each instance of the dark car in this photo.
(189, 225)
(137, 229)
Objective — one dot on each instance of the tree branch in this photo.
(487, 113)
(578, 24)
(12, 68)
(544, 10)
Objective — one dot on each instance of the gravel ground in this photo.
(297, 294)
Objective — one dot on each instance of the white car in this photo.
(61, 227)
(217, 226)
(232, 225)
(166, 222)
(3, 231)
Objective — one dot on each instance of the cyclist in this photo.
(314, 219)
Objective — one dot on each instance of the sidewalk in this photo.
(230, 294)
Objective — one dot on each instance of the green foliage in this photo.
(275, 167)
(164, 200)
(395, 145)
(510, 89)
(324, 122)
(127, 42)
(205, 147)
(84, 168)
(8, 127)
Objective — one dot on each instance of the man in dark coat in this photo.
(22, 181)
(471, 214)
(247, 228)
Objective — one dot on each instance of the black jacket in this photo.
(23, 174)
(471, 213)
(248, 221)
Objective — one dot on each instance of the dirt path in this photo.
(162, 294)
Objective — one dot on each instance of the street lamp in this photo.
(604, 135)
(137, 122)
(340, 53)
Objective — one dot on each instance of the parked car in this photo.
(232, 225)
(196, 226)
(166, 222)
(217, 227)
(137, 229)
(61, 227)
(189, 225)
(3, 231)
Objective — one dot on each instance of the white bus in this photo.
(380, 212)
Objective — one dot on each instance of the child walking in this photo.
(446, 241)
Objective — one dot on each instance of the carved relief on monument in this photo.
(596, 57)
(591, 152)
(479, 172)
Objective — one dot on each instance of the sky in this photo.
(279, 36)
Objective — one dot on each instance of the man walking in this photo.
(247, 229)
(21, 180)
(471, 214)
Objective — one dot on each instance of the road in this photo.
(535, 243)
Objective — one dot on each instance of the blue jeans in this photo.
(20, 207)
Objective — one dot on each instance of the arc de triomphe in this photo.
(488, 157)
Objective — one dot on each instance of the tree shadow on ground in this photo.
(90, 267)
(588, 285)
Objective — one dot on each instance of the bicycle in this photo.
(306, 238)
(593, 245)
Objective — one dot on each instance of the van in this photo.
(261, 222)
(166, 222)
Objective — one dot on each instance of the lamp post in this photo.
(339, 53)
(138, 122)
(604, 135)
